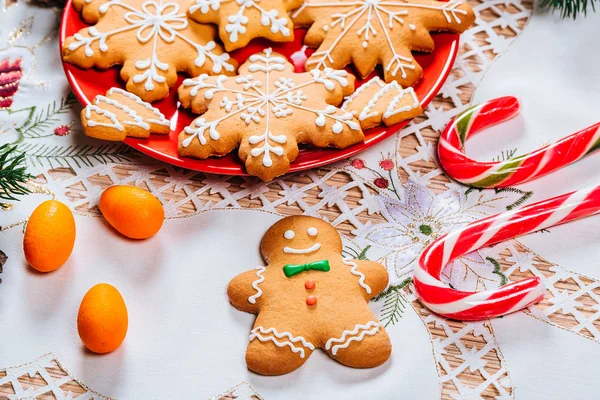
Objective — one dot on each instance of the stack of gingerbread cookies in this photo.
(262, 107)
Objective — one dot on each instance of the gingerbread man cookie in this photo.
(266, 111)
(152, 39)
(240, 21)
(370, 32)
(308, 297)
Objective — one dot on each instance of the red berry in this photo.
(387, 164)
(358, 163)
(381, 183)
(62, 130)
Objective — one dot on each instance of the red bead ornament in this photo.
(311, 300)
(310, 284)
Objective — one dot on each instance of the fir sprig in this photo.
(13, 174)
(498, 270)
(37, 123)
(569, 8)
(394, 304)
(76, 156)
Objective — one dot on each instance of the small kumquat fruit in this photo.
(132, 211)
(49, 236)
(102, 319)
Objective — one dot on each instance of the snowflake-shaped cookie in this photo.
(240, 21)
(266, 111)
(371, 32)
(152, 39)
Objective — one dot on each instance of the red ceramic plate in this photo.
(88, 83)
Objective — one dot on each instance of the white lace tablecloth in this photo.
(186, 341)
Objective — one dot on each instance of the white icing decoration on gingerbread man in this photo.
(273, 335)
(344, 343)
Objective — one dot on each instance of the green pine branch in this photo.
(498, 270)
(394, 304)
(569, 8)
(76, 156)
(37, 123)
(13, 174)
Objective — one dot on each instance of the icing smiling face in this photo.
(304, 237)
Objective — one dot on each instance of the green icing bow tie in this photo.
(294, 269)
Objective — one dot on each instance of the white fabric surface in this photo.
(553, 69)
(184, 337)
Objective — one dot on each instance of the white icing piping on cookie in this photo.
(259, 271)
(161, 118)
(355, 339)
(311, 249)
(104, 113)
(137, 120)
(254, 334)
(361, 89)
(358, 327)
(390, 109)
(361, 277)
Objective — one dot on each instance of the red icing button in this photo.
(311, 300)
(310, 285)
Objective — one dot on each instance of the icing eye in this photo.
(312, 231)
(289, 234)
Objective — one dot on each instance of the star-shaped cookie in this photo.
(240, 21)
(152, 39)
(371, 32)
(266, 111)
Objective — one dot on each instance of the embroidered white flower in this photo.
(418, 218)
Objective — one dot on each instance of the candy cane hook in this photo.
(516, 169)
(451, 303)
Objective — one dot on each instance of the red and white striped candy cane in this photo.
(467, 306)
(451, 303)
(515, 170)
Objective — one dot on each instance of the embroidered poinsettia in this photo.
(11, 73)
(240, 21)
(153, 40)
(417, 218)
(371, 32)
(266, 111)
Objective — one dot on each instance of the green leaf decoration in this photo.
(363, 253)
(505, 155)
(498, 270)
(349, 252)
(76, 156)
(394, 303)
(37, 123)
(569, 8)
(13, 175)
(525, 195)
